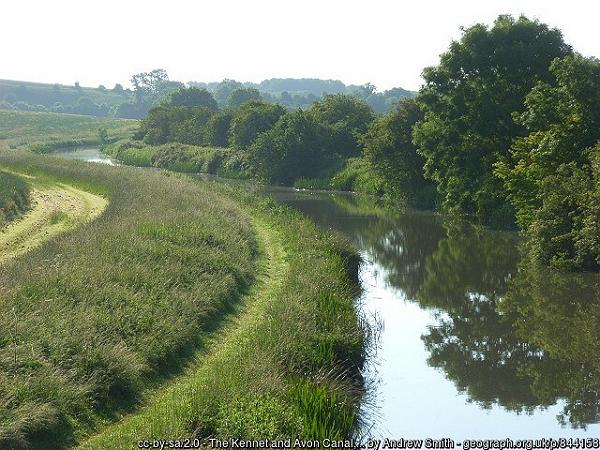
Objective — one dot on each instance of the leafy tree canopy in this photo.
(191, 97)
(553, 174)
(242, 95)
(469, 100)
(347, 118)
(251, 119)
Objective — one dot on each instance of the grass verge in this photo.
(97, 315)
(116, 306)
(288, 365)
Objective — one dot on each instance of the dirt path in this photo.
(55, 208)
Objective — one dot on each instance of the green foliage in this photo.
(391, 154)
(223, 89)
(469, 100)
(183, 124)
(172, 156)
(242, 95)
(191, 97)
(14, 197)
(346, 118)
(357, 175)
(250, 120)
(150, 87)
(217, 129)
(297, 146)
(553, 173)
(328, 413)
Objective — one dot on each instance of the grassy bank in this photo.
(180, 158)
(99, 314)
(287, 366)
(119, 304)
(45, 132)
(14, 197)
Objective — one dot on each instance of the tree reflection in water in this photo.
(507, 333)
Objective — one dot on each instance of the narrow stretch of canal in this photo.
(474, 342)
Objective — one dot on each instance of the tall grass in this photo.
(176, 157)
(14, 197)
(99, 316)
(289, 366)
(96, 316)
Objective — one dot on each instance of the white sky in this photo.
(384, 42)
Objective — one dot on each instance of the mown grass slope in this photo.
(42, 132)
(14, 196)
(97, 315)
(55, 209)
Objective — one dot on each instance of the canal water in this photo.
(474, 343)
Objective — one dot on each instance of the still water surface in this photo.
(475, 343)
(471, 346)
(86, 154)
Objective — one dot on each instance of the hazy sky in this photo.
(380, 41)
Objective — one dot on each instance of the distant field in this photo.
(45, 131)
(48, 94)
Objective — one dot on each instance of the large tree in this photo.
(553, 174)
(150, 86)
(391, 154)
(251, 119)
(297, 146)
(347, 119)
(242, 95)
(469, 100)
(192, 96)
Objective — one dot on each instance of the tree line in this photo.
(151, 88)
(505, 129)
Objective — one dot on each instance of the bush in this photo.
(14, 197)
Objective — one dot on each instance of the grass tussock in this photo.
(14, 197)
(99, 314)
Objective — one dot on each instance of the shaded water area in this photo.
(476, 343)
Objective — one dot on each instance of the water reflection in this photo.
(512, 338)
(561, 314)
